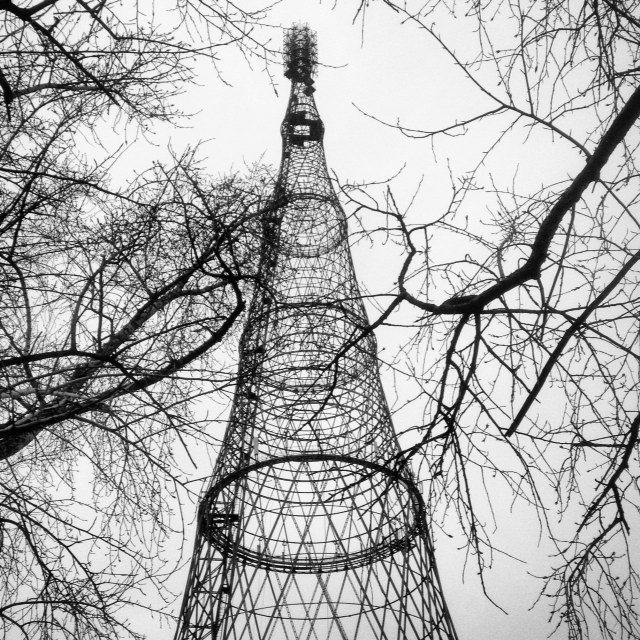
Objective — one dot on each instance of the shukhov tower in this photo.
(309, 528)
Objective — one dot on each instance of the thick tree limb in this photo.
(17, 435)
(530, 270)
(569, 333)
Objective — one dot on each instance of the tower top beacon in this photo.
(300, 55)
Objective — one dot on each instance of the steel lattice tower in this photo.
(309, 529)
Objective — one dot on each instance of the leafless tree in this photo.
(109, 329)
(115, 299)
(527, 354)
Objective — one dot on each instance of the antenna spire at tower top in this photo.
(300, 54)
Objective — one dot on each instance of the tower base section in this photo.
(396, 598)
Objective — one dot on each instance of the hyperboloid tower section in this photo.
(309, 529)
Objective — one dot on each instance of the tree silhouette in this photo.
(112, 299)
(530, 329)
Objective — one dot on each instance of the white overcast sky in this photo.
(393, 72)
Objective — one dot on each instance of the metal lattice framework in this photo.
(307, 531)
